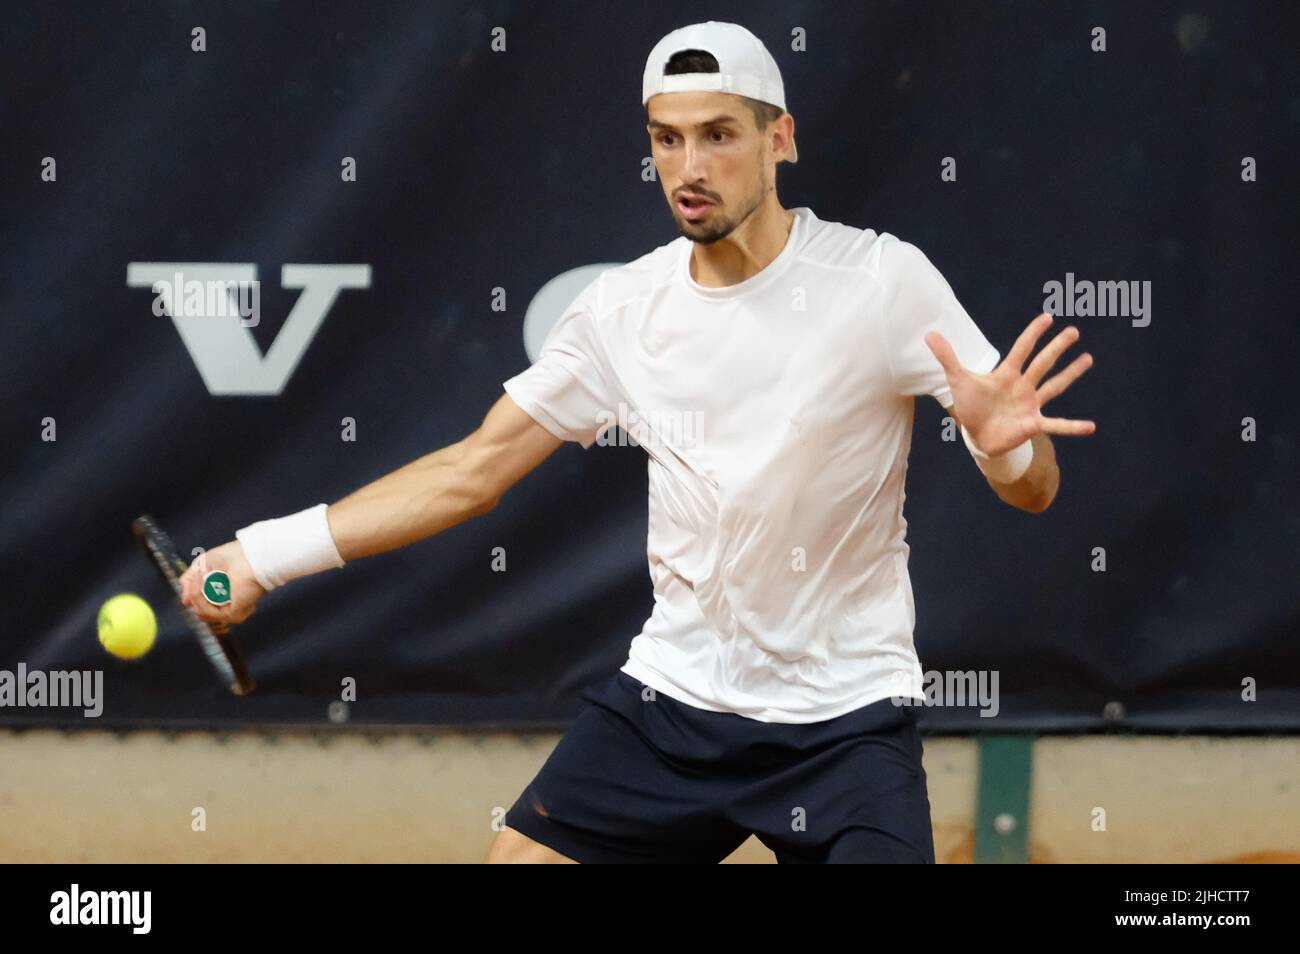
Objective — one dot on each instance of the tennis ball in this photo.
(127, 626)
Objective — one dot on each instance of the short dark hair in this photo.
(698, 61)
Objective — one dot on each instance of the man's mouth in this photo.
(693, 207)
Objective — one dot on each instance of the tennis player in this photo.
(768, 362)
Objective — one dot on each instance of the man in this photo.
(761, 695)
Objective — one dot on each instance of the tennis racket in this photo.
(219, 645)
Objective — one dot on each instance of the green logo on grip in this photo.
(216, 588)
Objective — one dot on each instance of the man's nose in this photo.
(693, 169)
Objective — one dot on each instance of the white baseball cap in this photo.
(745, 67)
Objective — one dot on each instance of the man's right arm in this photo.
(444, 488)
(416, 501)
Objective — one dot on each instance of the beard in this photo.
(702, 234)
(717, 227)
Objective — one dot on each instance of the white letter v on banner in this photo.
(223, 349)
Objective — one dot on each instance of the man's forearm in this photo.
(413, 502)
(1035, 489)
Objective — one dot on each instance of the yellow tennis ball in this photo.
(127, 626)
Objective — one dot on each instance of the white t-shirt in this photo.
(777, 417)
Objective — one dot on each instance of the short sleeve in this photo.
(917, 300)
(567, 389)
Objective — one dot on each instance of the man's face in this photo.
(711, 159)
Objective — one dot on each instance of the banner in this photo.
(394, 199)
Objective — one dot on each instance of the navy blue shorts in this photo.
(662, 781)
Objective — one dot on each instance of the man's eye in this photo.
(663, 140)
(719, 132)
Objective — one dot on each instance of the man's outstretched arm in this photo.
(416, 501)
(444, 488)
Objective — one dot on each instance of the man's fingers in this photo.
(1057, 383)
(209, 613)
(943, 352)
(1067, 427)
(1020, 351)
(1044, 360)
(187, 587)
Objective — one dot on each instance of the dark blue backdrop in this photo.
(1123, 165)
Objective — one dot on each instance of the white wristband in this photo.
(1003, 468)
(289, 547)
